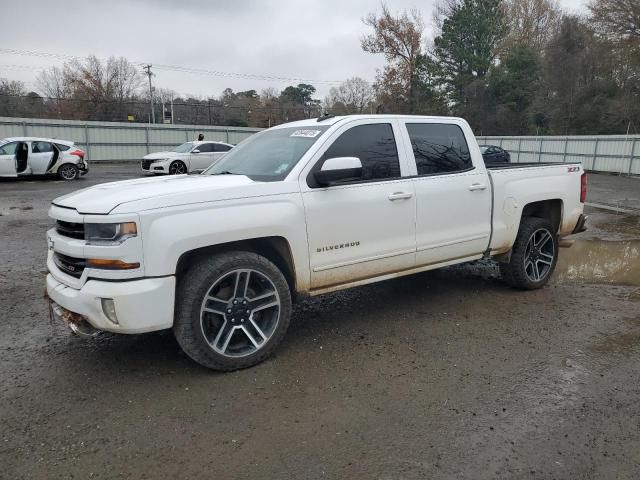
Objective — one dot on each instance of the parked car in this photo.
(185, 158)
(304, 208)
(22, 156)
(493, 154)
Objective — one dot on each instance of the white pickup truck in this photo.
(304, 208)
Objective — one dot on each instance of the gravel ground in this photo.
(447, 374)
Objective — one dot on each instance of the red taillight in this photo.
(78, 153)
(583, 188)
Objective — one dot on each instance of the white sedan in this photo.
(22, 156)
(186, 158)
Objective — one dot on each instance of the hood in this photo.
(160, 155)
(149, 193)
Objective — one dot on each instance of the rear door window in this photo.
(374, 145)
(41, 147)
(205, 148)
(220, 147)
(439, 148)
(62, 147)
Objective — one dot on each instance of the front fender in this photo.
(169, 233)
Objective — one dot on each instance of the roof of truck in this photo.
(331, 120)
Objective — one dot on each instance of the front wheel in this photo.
(534, 255)
(177, 168)
(232, 310)
(68, 172)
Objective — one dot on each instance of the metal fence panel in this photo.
(105, 141)
(603, 153)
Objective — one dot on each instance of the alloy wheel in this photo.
(539, 255)
(68, 172)
(177, 168)
(240, 313)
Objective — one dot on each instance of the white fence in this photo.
(601, 153)
(131, 141)
(119, 141)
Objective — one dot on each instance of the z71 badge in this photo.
(338, 246)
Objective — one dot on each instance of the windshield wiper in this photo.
(226, 172)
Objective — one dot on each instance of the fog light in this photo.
(109, 309)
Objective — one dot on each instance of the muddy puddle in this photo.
(600, 261)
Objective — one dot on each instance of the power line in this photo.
(197, 104)
(181, 69)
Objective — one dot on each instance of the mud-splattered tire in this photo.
(534, 255)
(68, 172)
(232, 310)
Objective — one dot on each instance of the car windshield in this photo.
(483, 149)
(269, 155)
(184, 148)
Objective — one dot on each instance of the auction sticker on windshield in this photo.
(306, 133)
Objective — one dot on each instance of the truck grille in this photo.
(69, 265)
(72, 230)
(146, 164)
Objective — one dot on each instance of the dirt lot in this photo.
(448, 374)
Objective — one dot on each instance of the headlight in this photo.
(109, 233)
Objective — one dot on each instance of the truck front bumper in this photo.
(140, 305)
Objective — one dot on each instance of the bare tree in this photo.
(399, 38)
(531, 22)
(352, 96)
(618, 18)
(51, 83)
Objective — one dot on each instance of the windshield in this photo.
(269, 155)
(483, 148)
(184, 148)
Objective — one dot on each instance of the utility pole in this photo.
(147, 70)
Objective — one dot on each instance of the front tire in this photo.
(232, 310)
(68, 172)
(177, 168)
(534, 255)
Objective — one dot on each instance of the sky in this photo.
(315, 42)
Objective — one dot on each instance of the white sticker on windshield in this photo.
(306, 133)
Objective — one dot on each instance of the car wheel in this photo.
(534, 255)
(68, 172)
(232, 310)
(177, 168)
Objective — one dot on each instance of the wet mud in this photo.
(447, 374)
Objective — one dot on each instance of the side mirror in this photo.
(339, 169)
(195, 151)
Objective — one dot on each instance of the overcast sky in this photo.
(315, 41)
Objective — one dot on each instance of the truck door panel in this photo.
(453, 196)
(367, 228)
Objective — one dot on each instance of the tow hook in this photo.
(77, 323)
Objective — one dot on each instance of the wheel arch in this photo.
(551, 210)
(275, 249)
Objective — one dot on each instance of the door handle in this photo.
(477, 186)
(400, 196)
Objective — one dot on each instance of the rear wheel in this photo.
(534, 255)
(177, 168)
(232, 310)
(68, 172)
